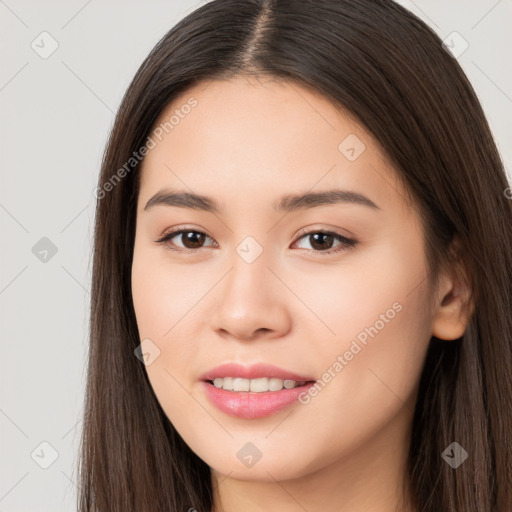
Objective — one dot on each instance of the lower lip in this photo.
(253, 405)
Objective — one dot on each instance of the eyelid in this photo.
(177, 230)
(333, 231)
(347, 243)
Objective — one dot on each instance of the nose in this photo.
(252, 303)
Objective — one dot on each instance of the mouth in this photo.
(253, 398)
(253, 391)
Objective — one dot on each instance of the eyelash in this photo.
(346, 243)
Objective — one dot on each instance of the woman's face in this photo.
(329, 288)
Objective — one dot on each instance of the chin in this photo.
(267, 469)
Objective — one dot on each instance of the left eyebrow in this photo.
(287, 203)
(294, 202)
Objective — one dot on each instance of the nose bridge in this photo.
(249, 299)
(248, 281)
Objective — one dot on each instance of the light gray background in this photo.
(56, 115)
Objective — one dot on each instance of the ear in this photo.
(453, 306)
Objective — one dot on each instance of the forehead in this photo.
(249, 138)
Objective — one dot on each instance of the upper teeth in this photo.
(256, 385)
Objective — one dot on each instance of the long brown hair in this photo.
(378, 61)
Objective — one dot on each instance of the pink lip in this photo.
(251, 405)
(254, 371)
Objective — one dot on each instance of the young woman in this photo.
(302, 278)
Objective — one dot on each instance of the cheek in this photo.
(373, 294)
(369, 375)
(164, 294)
(163, 304)
(169, 302)
(372, 360)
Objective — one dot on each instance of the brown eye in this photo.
(185, 239)
(192, 239)
(322, 242)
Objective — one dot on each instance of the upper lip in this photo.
(253, 371)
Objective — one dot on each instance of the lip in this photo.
(250, 405)
(253, 371)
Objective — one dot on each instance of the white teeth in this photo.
(228, 383)
(260, 385)
(241, 384)
(275, 384)
(289, 384)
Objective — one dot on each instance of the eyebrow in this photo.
(287, 203)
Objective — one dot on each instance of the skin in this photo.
(246, 143)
